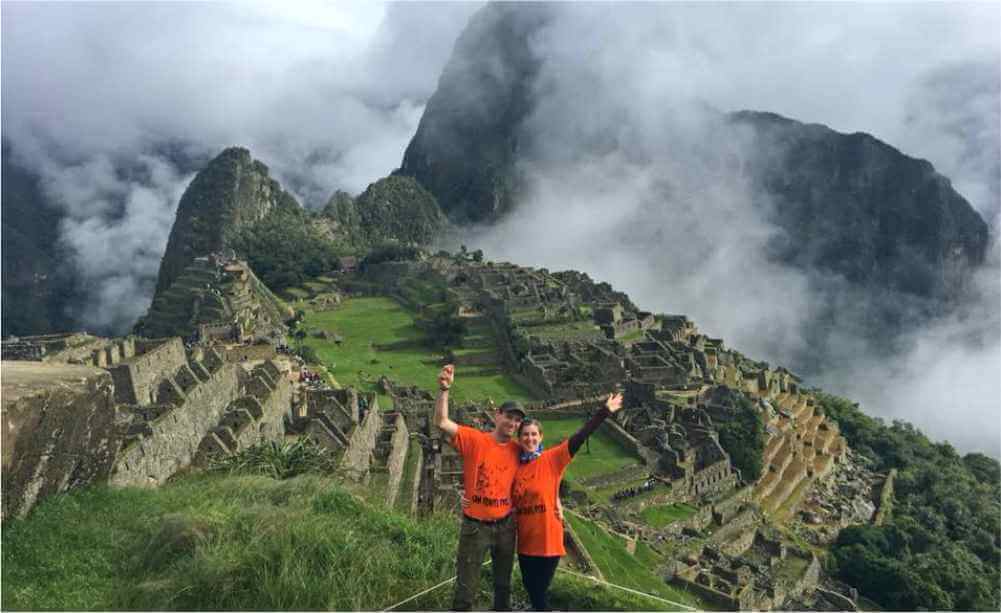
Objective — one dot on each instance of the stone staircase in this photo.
(802, 446)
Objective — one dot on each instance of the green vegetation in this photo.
(398, 208)
(605, 456)
(220, 543)
(443, 330)
(380, 338)
(390, 251)
(224, 542)
(940, 548)
(623, 568)
(395, 209)
(743, 437)
(284, 250)
(279, 460)
(659, 516)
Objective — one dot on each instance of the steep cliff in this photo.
(37, 281)
(233, 191)
(466, 145)
(852, 205)
(885, 239)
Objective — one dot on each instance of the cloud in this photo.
(115, 105)
(625, 168)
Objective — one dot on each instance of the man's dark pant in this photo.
(475, 538)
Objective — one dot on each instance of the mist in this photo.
(623, 177)
(115, 106)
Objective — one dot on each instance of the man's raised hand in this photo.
(446, 377)
(441, 420)
(614, 402)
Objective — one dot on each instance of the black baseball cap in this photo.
(513, 406)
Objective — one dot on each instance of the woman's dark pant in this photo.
(537, 573)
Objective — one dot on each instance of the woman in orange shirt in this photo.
(535, 495)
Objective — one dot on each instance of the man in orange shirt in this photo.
(489, 463)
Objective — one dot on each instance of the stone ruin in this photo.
(569, 339)
(748, 567)
(130, 412)
(215, 298)
(71, 348)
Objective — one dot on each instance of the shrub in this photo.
(279, 460)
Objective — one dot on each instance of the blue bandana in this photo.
(528, 456)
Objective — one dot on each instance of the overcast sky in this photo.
(329, 94)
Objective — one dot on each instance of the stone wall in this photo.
(137, 378)
(415, 485)
(397, 457)
(358, 456)
(885, 498)
(619, 435)
(250, 420)
(240, 353)
(341, 406)
(172, 440)
(59, 430)
(714, 597)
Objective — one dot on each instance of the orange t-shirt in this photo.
(536, 486)
(488, 469)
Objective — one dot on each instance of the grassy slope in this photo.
(662, 515)
(240, 543)
(606, 455)
(380, 330)
(623, 568)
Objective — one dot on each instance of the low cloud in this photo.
(623, 162)
(115, 106)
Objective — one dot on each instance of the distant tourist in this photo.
(535, 494)
(489, 463)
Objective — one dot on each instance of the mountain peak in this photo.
(234, 190)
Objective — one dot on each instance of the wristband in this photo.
(443, 388)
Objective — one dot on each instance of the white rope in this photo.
(430, 589)
(627, 589)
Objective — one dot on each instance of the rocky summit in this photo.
(857, 216)
(233, 191)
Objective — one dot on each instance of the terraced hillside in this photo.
(371, 337)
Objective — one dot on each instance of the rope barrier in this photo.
(430, 589)
(627, 589)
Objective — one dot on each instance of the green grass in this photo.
(659, 516)
(222, 543)
(633, 336)
(606, 455)
(623, 568)
(218, 542)
(380, 338)
(570, 331)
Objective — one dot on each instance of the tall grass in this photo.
(224, 543)
(281, 460)
(243, 542)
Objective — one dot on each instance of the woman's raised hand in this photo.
(614, 402)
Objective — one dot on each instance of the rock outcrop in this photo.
(59, 430)
(37, 284)
(466, 145)
(233, 191)
(215, 298)
(884, 240)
